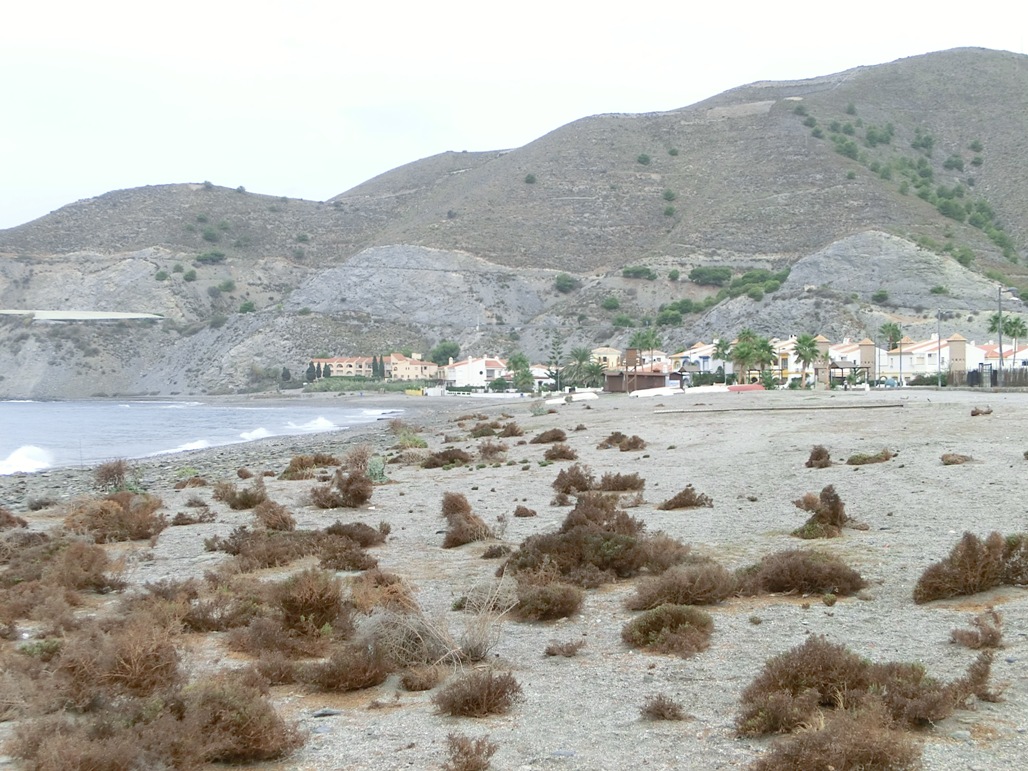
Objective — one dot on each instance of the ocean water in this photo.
(40, 435)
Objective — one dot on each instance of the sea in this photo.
(37, 435)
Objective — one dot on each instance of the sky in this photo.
(308, 98)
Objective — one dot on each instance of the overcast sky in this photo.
(308, 98)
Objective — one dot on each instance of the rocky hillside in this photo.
(887, 191)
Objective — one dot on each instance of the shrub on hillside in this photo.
(974, 565)
(560, 451)
(678, 629)
(863, 459)
(244, 498)
(549, 436)
(799, 570)
(478, 694)
(274, 516)
(703, 584)
(123, 516)
(661, 707)
(574, 479)
(687, 499)
(986, 631)
(449, 457)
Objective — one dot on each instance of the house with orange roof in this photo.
(474, 372)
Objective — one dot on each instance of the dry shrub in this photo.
(955, 459)
(687, 499)
(112, 475)
(863, 459)
(802, 571)
(451, 456)
(819, 457)
(679, 629)
(490, 450)
(478, 694)
(202, 516)
(193, 481)
(347, 490)
(548, 601)
(464, 526)
(986, 631)
(511, 430)
(864, 738)
(351, 668)
(310, 601)
(123, 516)
(244, 473)
(365, 535)
(466, 754)
(9, 520)
(614, 440)
(828, 515)
(423, 678)
(567, 649)
(524, 511)
(485, 428)
(549, 436)
(617, 482)
(973, 566)
(235, 722)
(358, 458)
(704, 584)
(794, 686)
(661, 707)
(661, 551)
(244, 498)
(258, 549)
(409, 638)
(496, 551)
(574, 479)
(300, 467)
(340, 552)
(632, 443)
(38, 504)
(976, 411)
(81, 566)
(560, 451)
(273, 516)
(276, 668)
(376, 588)
(399, 426)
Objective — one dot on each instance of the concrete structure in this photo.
(474, 372)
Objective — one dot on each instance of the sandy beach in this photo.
(747, 452)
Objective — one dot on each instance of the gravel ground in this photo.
(747, 452)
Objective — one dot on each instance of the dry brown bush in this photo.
(828, 514)
(399, 426)
(452, 456)
(660, 706)
(567, 649)
(310, 601)
(112, 474)
(524, 511)
(549, 436)
(9, 520)
(257, 549)
(490, 450)
(193, 481)
(408, 638)
(273, 516)
(560, 451)
(365, 535)
(455, 504)
(687, 499)
(631, 444)
(347, 490)
(973, 566)
(802, 571)
(376, 588)
(244, 498)
(547, 601)
(339, 552)
(794, 686)
(276, 668)
(574, 479)
(704, 584)
(679, 629)
(496, 551)
(863, 738)
(661, 551)
(986, 631)
(614, 440)
(955, 459)
(464, 526)
(616, 482)
(423, 678)
(123, 516)
(351, 668)
(863, 459)
(478, 694)
(467, 754)
(819, 457)
(976, 411)
(357, 459)
(244, 473)
(300, 467)
(202, 516)
(511, 430)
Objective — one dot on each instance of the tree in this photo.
(556, 354)
(645, 340)
(499, 385)
(326, 370)
(374, 366)
(565, 283)
(722, 352)
(286, 375)
(892, 333)
(574, 373)
(521, 368)
(443, 352)
(317, 372)
(1017, 329)
(312, 373)
(807, 353)
(594, 374)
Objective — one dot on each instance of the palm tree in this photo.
(594, 374)
(998, 323)
(722, 349)
(645, 340)
(807, 353)
(574, 372)
(1016, 328)
(891, 331)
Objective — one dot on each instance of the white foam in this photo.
(318, 424)
(257, 433)
(27, 458)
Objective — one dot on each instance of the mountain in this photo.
(840, 202)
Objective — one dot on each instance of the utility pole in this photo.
(999, 298)
(938, 355)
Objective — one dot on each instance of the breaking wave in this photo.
(257, 433)
(27, 458)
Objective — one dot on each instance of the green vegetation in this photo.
(639, 271)
(303, 238)
(530, 179)
(211, 235)
(674, 274)
(643, 158)
(189, 275)
(565, 283)
(939, 289)
(161, 275)
(210, 258)
(673, 151)
(670, 195)
(709, 276)
(228, 285)
(443, 352)
(976, 146)
(247, 307)
(669, 211)
(178, 267)
(610, 303)
(364, 384)
(880, 296)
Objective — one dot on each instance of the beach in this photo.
(747, 452)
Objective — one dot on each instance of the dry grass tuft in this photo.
(574, 479)
(567, 649)
(378, 589)
(819, 457)
(616, 482)
(464, 526)
(490, 450)
(828, 515)
(273, 516)
(976, 411)
(632, 444)
(523, 511)
(863, 459)
(704, 584)
(547, 601)
(348, 490)
(973, 566)
(340, 552)
(9, 520)
(661, 707)
(955, 459)
(237, 499)
(614, 440)
(511, 430)
(193, 481)
(448, 457)
(201, 516)
(466, 754)
(304, 466)
(478, 694)
(350, 668)
(986, 631)
(560, 451)
(687, 499)
(423, 678)
(112, 475)
(678, 629)
(802, 571)
(549, 436)
(123, 516)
